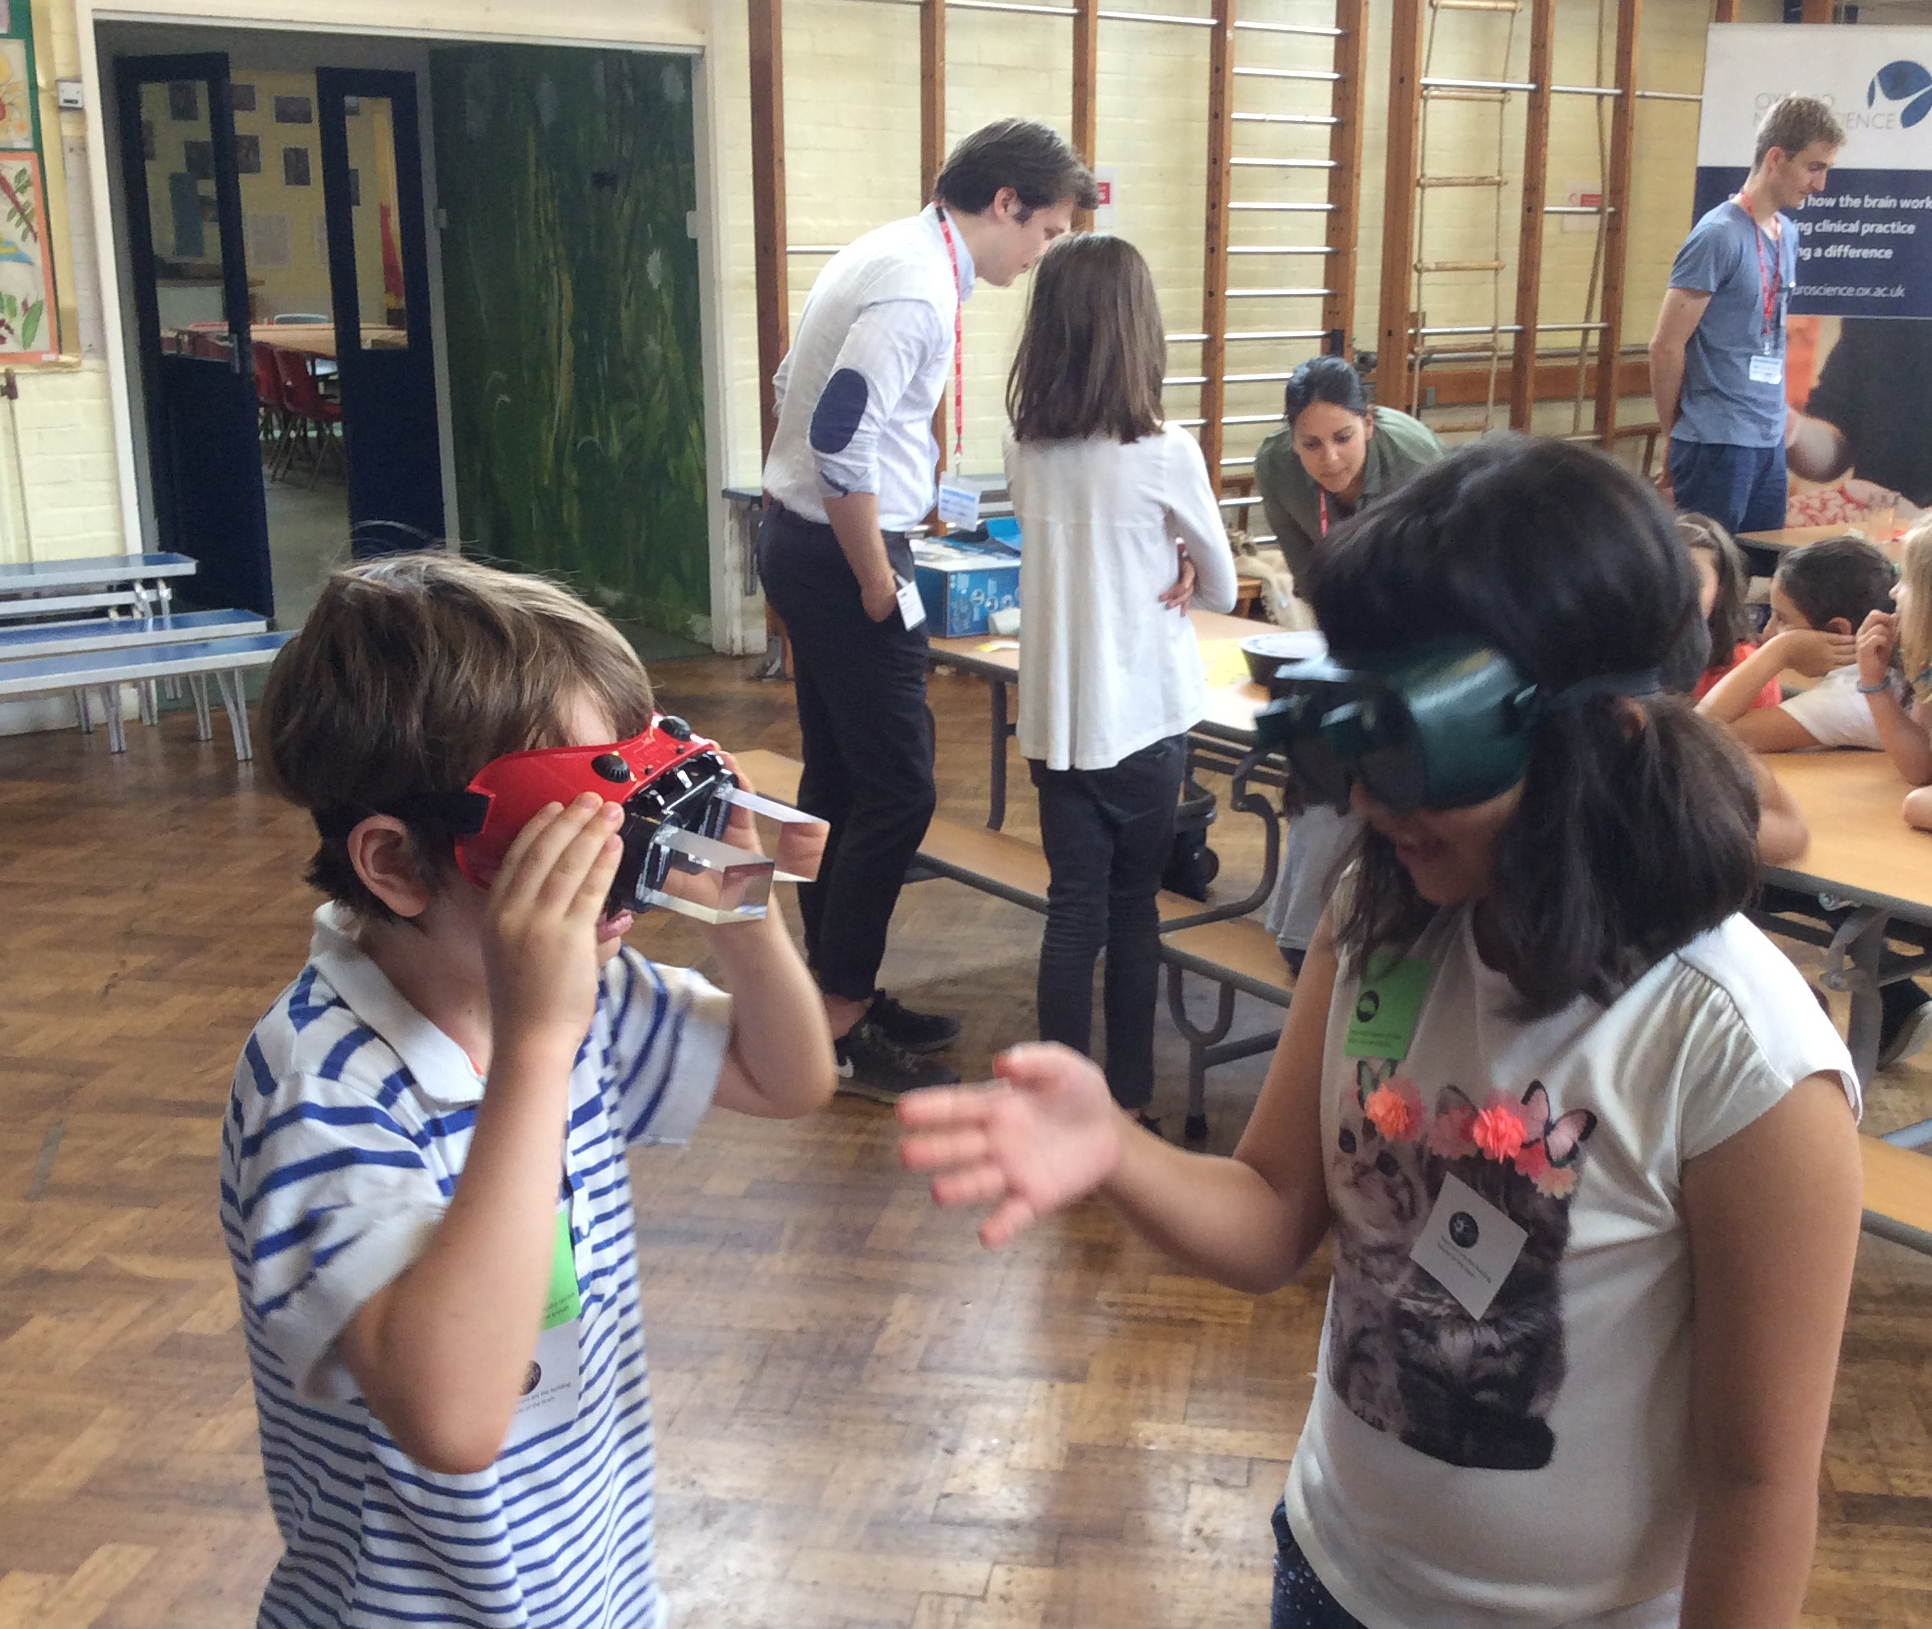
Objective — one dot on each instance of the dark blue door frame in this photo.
(388, 393)
(203, 423)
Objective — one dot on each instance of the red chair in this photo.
(310, 413)
(275, 430)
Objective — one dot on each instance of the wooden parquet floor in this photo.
(865, 1420)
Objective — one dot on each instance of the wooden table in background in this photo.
(318, 338)
(1224, 740)
(1861, 851)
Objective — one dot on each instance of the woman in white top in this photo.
(1110, 678)
(1580, 1142)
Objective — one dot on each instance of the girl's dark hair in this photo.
(1330, 379)
(1093, 350)
(1032, 158)
(1730, 621)
(1837, 577)
(1637, 824)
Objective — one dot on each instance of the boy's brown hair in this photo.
(414, 671)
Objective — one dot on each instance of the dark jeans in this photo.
(1106, 833)
(1741, 488)
(867, 736)
(1301, 1600)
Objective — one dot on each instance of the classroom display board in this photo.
(28, 325)
(1865, 243)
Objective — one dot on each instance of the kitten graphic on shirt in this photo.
(1377, 1190)
(1405, 1354)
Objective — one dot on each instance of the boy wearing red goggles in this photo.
(423, 1179)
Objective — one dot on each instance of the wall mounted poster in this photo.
(26, 273)
(16, 96)
(1865, 243)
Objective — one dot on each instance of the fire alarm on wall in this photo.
(70, 94)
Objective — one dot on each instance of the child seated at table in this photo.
(1895, 673)
(1820, 598)
(1720, 593)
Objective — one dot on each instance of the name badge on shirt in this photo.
(1387, 1005)
(1468, 1246)
(1767, 370)
(958, 504)
(550, 1385)
(912, 609)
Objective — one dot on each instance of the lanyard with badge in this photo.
(1767, 366)
(1467, 1245)
(550, 1385)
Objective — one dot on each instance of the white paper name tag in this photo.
(958, 504)
(1767, 370)
(912, 609)
(1468, 1246)
(549, 1399)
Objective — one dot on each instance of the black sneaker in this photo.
(908, 1030)
(871, 1065)
(1907, 1022)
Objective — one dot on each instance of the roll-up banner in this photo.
(1865, 243)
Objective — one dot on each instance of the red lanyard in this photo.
(1769, 281)
(1321, 498)
(959, 343)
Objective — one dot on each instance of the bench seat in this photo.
(108, 670)
(124, 633)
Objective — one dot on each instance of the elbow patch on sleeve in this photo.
(841, 406)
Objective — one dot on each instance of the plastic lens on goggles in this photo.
(1434, 729)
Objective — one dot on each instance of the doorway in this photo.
(275, 212)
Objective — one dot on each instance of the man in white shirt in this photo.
(851, 469)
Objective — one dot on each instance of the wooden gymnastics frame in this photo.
(1344, 163)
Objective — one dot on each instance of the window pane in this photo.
(375, 208)
(178, 147)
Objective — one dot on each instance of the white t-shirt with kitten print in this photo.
(1529, 1467)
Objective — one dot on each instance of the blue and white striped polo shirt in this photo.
(346, 1134)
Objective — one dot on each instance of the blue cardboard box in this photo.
(959, 584)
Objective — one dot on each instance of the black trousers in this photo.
(1106, 833)
(868, 743)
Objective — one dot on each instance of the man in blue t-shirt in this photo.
(1717, 358)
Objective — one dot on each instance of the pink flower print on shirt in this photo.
(1449, 1137)
(1532, 1159)
(1395, 1110)
(1498, 1128)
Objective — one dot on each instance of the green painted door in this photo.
(570, 281)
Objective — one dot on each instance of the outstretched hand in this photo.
(1042, 1134)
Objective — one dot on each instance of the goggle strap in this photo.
(1639, 682)
(463, 813)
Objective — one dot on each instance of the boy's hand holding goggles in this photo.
(679, 793)
(1437, 728)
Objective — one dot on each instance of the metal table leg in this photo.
(1002, 732)
(1851, 965)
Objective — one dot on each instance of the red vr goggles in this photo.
(677, 793)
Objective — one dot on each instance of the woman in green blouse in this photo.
(1334, 454)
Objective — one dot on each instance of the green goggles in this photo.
(1439, 728)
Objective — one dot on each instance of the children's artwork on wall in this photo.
(294, 110)
(248, 155)
(184, 101)
(198, 157)
(26, 269)
(241, 98)
(266, 238)
(16, 96)
(295, 167)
